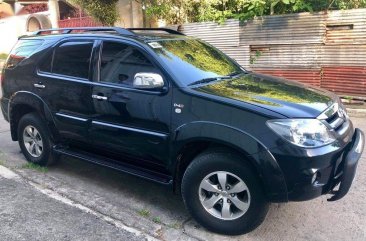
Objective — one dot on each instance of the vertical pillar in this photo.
(136, 15)
(54, 10)
(17, 7)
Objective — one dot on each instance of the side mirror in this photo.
(148, 81)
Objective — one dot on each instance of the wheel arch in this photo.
(192, 139)
(24, 102)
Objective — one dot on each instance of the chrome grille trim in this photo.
(329, 112)
(343, 129)
(336, 123)
(336, 119)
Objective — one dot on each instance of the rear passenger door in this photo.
(65, 85)
(130, 121)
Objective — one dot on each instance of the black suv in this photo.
(174, 110)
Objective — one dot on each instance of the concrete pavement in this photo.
(155, 211)
(27, 214)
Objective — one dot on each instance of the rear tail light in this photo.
(13, 61)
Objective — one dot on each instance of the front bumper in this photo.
(348, 171)
(310, 173)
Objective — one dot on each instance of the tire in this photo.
(215, 164)
(32, 129)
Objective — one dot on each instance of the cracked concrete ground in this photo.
(150, 208)
(27, 214)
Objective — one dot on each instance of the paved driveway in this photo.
(157, 212)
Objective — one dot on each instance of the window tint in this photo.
(46, 63)
(22, 50)
(192, 60)
(120, 63)
(73, 59)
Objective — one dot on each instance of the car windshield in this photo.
(192, 60)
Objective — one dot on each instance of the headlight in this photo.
(302, 132)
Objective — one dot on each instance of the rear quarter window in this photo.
(22, 50)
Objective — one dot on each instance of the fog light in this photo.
(316, 176)
(313, 179)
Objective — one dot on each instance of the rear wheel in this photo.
(35, 140)
(223, 193)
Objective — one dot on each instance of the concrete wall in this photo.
(11, 28)
(130, 14)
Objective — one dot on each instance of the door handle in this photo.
(99, 97)
(39, 86)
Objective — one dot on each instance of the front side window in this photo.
(121, 62)
(73, 59)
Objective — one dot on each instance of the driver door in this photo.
(129, 121)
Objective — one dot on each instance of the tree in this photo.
(181, 11)
(104, 11)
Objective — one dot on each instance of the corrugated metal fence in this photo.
(326, 49)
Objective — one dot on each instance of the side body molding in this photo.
(264, 162)
(33, 101)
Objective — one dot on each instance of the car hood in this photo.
(289, 98)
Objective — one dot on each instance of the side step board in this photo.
(116, 165)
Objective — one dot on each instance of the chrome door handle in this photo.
(39, 86)
(99, 97)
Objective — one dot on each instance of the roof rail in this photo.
(168, 30)
(69, 30)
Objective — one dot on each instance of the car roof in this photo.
(138, 34)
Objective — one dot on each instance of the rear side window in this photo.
(73, 59)
(22, 50)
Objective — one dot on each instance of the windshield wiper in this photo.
(208, 80)
(211, 79)
(236, 73)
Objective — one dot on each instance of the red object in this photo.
(345, 79)
(307, 76)
(33, 8)
(78, 22)
(340, 79)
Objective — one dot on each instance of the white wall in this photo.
(11, 28)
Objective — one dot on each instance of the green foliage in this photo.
(36, 167)
(199, 55)
(3, 56)
(181, 11)
(254, 58)
(174, 225)
(144, 213)
(248, 89)
(173, 11)
(103, 11)
(156, 220)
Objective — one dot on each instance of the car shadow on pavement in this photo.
(146, 198)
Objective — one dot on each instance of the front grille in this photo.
(337, 119)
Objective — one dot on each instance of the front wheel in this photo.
(223, 193)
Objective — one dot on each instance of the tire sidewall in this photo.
(34, 120)
(223, 161)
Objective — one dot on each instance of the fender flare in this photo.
(33, 101)
(260, 157)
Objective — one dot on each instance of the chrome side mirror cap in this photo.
(148, 81)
